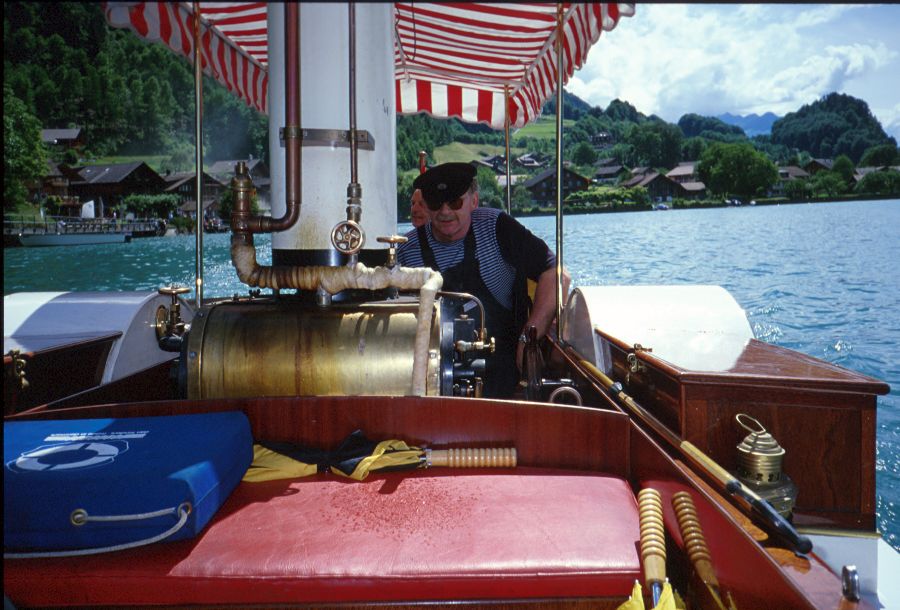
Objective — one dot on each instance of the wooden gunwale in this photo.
(807, 577)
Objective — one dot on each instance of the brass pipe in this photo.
(559, 170)
(506, 126)
(248, 224)
(198, 154)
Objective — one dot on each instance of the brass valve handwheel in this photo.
(173, 290)
(348, 237)
(168, 321)
(392, 239)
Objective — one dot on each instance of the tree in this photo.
(827, 183)
(797, 189)
(521, 197)
(490, 195)
(880, 183)
(404, 192)
(656, 143)
(692, 148)
(736, 169)
(844, 167)
(24, 157)
(584, 154)
(834, 125)
(151, 206)
(695, 125)
(879, 156)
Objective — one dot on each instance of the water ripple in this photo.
(820, 279)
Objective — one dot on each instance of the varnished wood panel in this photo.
(55, 373)
(829, 450)
(822, 414)
(543, 435)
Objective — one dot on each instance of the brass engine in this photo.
(277, 346)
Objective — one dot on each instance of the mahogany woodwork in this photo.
(56, 372)
(543, 435)
(822, 414)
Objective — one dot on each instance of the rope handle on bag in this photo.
(80, 516)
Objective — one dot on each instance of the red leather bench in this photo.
(423, 535)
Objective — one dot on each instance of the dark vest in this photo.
(501, 373)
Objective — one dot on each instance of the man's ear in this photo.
(475, 200)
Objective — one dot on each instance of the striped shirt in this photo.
(502, 246)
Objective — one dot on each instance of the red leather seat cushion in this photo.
(425, 535)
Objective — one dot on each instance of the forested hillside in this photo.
(70, 69)
(64, 67)
(835, 125)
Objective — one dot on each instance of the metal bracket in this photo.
(17, 372)
(333, 138)
(636, 366)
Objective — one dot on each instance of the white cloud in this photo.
(673, 59)
(890, 120)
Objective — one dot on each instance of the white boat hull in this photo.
(73, 239)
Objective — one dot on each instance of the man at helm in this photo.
(485, 252)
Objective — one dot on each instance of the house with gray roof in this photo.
(108, 185)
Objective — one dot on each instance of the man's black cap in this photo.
(445, 182)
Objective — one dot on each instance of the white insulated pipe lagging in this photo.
(335, 279)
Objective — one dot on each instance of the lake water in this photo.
(822, 279)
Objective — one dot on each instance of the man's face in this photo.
(418, 213)
(448, 224)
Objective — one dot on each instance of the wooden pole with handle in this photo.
(653, 541)
(695, 545)
(767, 516)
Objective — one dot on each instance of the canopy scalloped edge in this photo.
(451, 60)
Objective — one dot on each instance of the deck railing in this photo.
(37, 225)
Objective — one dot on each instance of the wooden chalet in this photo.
(532, 160)
(543, 185)
(786, 174)
(818, 165)
(63, 138)
(496, 163)
(685, 175)
(611, 174)
(107, 185)
(184, 184)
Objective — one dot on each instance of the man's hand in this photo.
(544, 311)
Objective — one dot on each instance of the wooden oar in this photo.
(771, 520)
(695, 545)
(653, 541)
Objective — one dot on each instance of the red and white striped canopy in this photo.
(451, 59)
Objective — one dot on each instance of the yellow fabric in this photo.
(387, 454)
(636, 601)
(667, 599)
(269, 465)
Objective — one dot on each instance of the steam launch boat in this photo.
(323, 440)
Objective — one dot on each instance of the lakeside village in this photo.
(132, 197)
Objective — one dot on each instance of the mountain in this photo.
(836, 124)
(752, 124)
(573, 106)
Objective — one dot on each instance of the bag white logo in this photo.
(70, 456)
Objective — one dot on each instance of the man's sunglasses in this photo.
(453, 205)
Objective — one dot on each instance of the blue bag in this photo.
(96, 483)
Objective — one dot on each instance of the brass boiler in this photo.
(278, 347)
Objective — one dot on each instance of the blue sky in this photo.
(671, 59)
